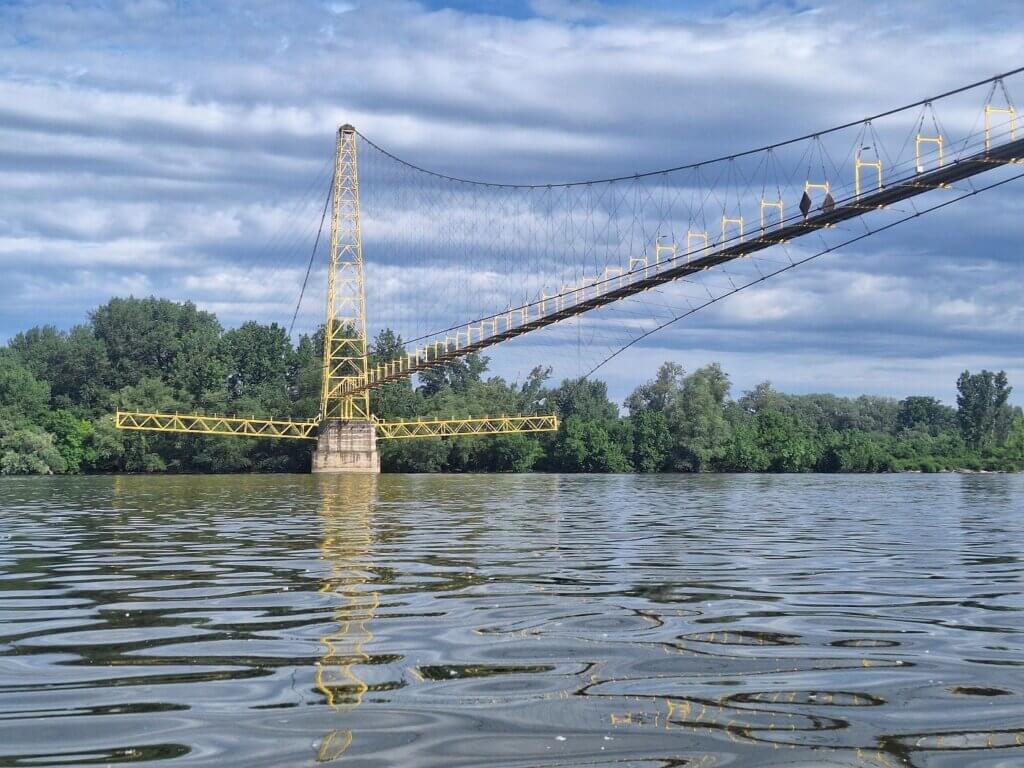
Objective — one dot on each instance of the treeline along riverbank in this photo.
(58, 390)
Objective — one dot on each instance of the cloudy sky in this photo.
(182, 149)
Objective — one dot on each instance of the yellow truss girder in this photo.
(216, 425)
(195, 424)
(488, 425)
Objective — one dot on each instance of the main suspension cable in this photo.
(312, 256)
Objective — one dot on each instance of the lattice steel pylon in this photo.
(345, 352)
(345, 328)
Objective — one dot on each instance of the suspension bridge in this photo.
(463, 265)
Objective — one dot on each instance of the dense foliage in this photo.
(58, 389)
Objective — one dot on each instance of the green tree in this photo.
(856, 451)
(1013, 448)
(982, 406)
(586, 446)
(257, 357)
(697, 420)
(75, 365)
(875, 414)
(198, 371)
(533, 395)
(585, 398)
(395, 400)
(428, 454)
(157, 338)
(223, 454)
(762, 397)
(305, 375)
(457, 374)
(652, 442)
(917, 449)
(926, 412)
(509, 453)
(40, 349)
(107, 446)
(71, 436)
(153, 452)
(590, 437)
(659, 393)
(28, 451)
(789, 444)
(22, 396)
(745, 452)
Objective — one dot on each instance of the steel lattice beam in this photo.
(195, 424)
(216, 425)
(491, 425)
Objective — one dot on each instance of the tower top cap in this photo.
(347, 128)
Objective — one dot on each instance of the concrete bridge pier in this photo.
(346, 446)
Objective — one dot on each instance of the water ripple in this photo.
(512, 621)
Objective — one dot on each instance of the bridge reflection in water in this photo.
(346, 510)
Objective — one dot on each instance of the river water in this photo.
(534, 620)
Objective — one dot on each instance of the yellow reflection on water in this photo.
(346, 508)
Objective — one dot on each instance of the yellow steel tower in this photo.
(345, 428)
(345, 329)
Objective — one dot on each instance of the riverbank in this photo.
(58, 389)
